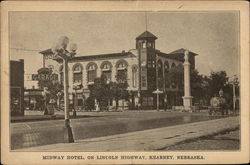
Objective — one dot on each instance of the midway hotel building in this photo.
(145, 79)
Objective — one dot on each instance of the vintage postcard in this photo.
(128, 82)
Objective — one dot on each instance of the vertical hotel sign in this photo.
(144, 69)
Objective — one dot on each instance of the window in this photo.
(106, 69)
(91, 70)
(77, 73)
(160, 74)
(121, 67)
(166, 69)
(77, 78)
(134, 76)
(166, 66)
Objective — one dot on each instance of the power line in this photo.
(23, 49)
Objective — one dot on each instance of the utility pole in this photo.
(66, 91)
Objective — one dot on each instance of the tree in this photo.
(99, 91)
(53, 86)
(121, 92)
(198, 86)
(198, 82)
(217, 81)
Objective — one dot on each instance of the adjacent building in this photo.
(17, 87)
(145, 66)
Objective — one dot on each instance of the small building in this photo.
(145, 66)
(17, 87)
(33, 99)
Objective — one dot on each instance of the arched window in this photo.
(106, 68)
(134, 76)
(160, 73)
(77, 73)
(173, 83)
(166, 69)
(91, 71)
(121, 67)
(61, 73)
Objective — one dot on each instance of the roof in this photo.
(146, 34)
(91, 57)
(110, 55)
(47, 51)
(175, 55)
(181, 51)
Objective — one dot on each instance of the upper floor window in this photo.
(134, 76)
(121, 66)
(106, 67)
(77, 73)
(91, 72)
(160, 74)
(166, 69)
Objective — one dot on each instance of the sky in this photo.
(212, 35)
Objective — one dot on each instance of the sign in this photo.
(51, 56)
(44, 77)
(158, 91)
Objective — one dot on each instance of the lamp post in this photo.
(60, 51)
(234, 81)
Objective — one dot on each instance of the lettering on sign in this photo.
(44, 77)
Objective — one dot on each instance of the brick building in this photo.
(143, 64)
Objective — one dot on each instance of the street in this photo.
(97, 124)
(157, 139)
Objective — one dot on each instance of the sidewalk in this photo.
(148, 140)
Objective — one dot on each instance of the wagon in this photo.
(218, 106)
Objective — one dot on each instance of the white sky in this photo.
(212, 35)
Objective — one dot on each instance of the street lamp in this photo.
(60, 50)
(234, 81)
